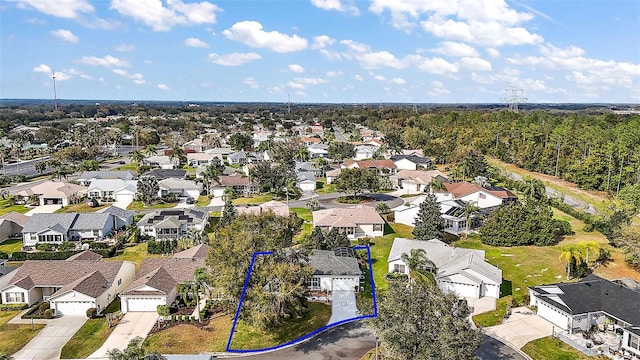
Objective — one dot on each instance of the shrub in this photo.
(91, 313)
(563, 227)
(67, 245)
(12, 307)
(46, 247)
(48, 314)
(4, 255)
(44, 307)
(163, 310)
(19, 256)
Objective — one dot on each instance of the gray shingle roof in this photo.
(325, 262)
(124, 175)
(40, 222)
(166, 173)
(116, 211)
(88, 221)
(421, 160)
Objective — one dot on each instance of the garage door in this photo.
(144, 304)
(123, 197)
(343, 284)
(72, 307)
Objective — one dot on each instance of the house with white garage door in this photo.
(71, 286)
(458, 270)
(113, 190)
(157, 280)
(332, 272)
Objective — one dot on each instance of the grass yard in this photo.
(10, 246)
(6, 207)
(137, 205)
(549, 348)
(493, 317)
(187, 339)
(380, 249)
(135, 254)
(258, 199)
(247, 337)
(81, 208)
(323, 188)
(307, 227)
(87, 340)
(14, 337)
(203, 200)
(132, 166)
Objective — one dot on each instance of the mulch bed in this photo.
(202, 324)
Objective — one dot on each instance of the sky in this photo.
(322, 51)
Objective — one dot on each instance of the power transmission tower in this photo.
(513, 96)
(289, 105)
(55, 96)
(415, 108)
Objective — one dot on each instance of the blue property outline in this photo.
(313, 333)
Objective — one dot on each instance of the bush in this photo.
(12, 307)
(19, 256)
(66, 246)
(48, 314)
(44, 307)
(91, 313)
(46, 247)
(161, 247)
(163, 310)
(4, 255)
(563, 227)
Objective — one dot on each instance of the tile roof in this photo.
(461, 189)
(368, 164)
(346, 217)
(325, 262)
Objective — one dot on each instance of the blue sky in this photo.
(344, 51)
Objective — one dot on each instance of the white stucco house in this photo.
(172, 223)
(331, 272)
(180, 187)
(460, 271)
(356, 222)
(57, 228)
(113, 190)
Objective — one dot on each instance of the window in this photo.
(398, 268)
(14, 297)
(313, 283)
(378, 227)
(634, 341)
(96, 233)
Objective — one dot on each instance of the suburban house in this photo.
(461, 271)
(180, 187)
(113, 190)
(11, 225)
(71, 286)
(482, 197)
(172, 224)
(306, 181)
(120, 217)
(196, 145)
(237, 158)
(416, 181)
(364, 152)
(88, 176)
(277, 207)
(57, 228)
(411, 162)
(199, 159)
(306, 141)
(240, 184)
(382, 167)
(162, 174)
(54, 192)
(578, 306)
(331, 272)
(318, 150)
(302, 166)
(162, 161)
(331, 175)
(157, 280)
(356, 222)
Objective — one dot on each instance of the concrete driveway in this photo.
(50, 340)
(122, 204)
(521, 327)
(133, 324)
(343, 306)
(43, 209)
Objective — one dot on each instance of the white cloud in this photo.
(358, 77)
(137, 77)
(252, 83)
(494, 53)
(438, 89)
(65, 35)
(195, 42)
(452, 48)
(107, 61)
(68, 9)
(124, 47)
(379, 77)
(375, 60)
(163, 87)
(233, 59)
(45, 69)
(399, 81)
(160, 18)
(330, 55)
(42, 68)
(337, 5)
(295, 85)
(309, 81)
(296, 68)
(334, 73)
(356, 46)
(251, 34)
(491, 33)
(322, 41)
(435, 65)
(475, 64)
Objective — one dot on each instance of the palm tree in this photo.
(470, 210)
(568, 253)
(421, 269)
(228, 194)
(589, 246)
(303, 154)
(40, 167)
(437, 184)
(534, 188)
(134, 351)
(137, 156)
(150, 150)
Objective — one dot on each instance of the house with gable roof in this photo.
(411, 162)
(54, 192)
(356, 222)
(57, 228)
(172, 223)
(88, 176)
(11, 224)
(461, 271)
(113, 190)
(332, 272)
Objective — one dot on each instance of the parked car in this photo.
(190, 201)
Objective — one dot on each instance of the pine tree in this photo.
(228, 213)
(429, 223)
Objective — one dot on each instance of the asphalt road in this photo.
(351, 341)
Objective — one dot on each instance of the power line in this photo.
(513, 96)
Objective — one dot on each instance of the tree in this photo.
(89, 165)
(421, 269)
(229, 213)
(240, 141)
(631, 195)
(313, 204)
(355, 181)
(473, 165)
(429, 224)
(629, 242)
(534, 189)
(569, 254)
(335, 239)
(212, 172)
(150, 150)
(418, 321)
(341, 150)
(40, 166)
(148, 189)
(137, 156)
(134, 351)
(382, 208)
(470, 211)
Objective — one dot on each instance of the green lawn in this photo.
(493, 317)
(307, 227)
(6, 207)
(14, 337)
(88, 339)
(248, 337)
(380, 249)
(549, 348)
(203, 200)
(323, 188)
(135, 254)
(81, 208)
(132, 166)
(137, 205)
(187, 339)
(257, 199)
(10, 246)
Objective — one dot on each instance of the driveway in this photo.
(133, 324)
(43, 209)
(122, 204)
(50, 340)
(343, 306)
(182, 204)
(521, 327)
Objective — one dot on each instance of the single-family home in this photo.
(162, 161)
(331, 175)
(196, 145)
(302, 166)
(237, 158)
(277, 207)
(70, 286)
(458, 270)
(11, 225)
(180, 187)
(173, 223)
(411, 162)
(162, 174)
(199, 159)
(120, 217)
(331, 272)
(356, 222)
(157, 280)
(416, 181)
(578, 306)
(57, 228)
(382, 167)
(87, 176)
(482, 197)
(365, 151)
(240, 184)
(318, 150)
(306, 140)
(113, 190)
(54, 192)
(306, 181)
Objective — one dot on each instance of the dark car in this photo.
(190, 201)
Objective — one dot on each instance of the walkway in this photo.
(132, 325)
(48, 343)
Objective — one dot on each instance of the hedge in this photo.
(63, 255)
(13, 307)
(4, 255)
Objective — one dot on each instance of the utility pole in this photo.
(289, 104)
(55, 95)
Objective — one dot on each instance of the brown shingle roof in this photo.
(368, 164)
(180, 269)
(346, 217)
(15, 217)
(159, 279)
(93, 285)
(464, 188)
(85, 255)
(197, 252)
(233, 180)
